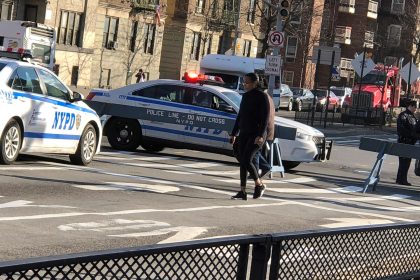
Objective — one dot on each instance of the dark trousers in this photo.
(248, 150)
(403, 167)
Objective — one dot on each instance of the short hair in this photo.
(411, 103)
(252, 76)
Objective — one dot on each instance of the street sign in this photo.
(276, 39)
(272, 65)
(335, 74)
(326, 55)
(405, 73)
(357, 64)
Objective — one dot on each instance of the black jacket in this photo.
(253, 114)
(407, 127)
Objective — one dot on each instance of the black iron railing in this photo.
(378, 252)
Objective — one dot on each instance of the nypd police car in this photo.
(170, 113)
(39, 114)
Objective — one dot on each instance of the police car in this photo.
(170, 113)
(39, 114)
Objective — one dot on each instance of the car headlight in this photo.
(303, 136)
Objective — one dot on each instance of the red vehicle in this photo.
(379, 90)
(321, 100)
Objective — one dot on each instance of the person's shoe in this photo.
(403, 183)
(264, 172)
(240, 195)
(258, 191)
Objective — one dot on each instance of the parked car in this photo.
(343, 94)
(321, 95)
(283, 98)
(302, 98)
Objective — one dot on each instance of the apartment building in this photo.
(195, 28)
(100, 43)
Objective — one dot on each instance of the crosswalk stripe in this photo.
(316, 190)
(369, 199)
(34, 168)
(300, 180)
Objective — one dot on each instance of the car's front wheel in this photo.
(11, 141)
(124, 134)
(290, 105)
(299, 106)
(86, 148)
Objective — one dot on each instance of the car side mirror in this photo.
(76, 97)
(226, 108)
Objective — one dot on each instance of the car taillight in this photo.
(90, 96)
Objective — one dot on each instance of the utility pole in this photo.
(235, 41)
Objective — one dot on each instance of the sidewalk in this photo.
(336, 130)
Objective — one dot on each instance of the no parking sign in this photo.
(276, 39)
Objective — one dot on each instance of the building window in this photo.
(207, 48)
(68, 33)
(347, 6)
(247, 48)
(195, 46)
(288, 77)
(345, 64)
(31, 13)
(199, 6)
(74, 75)
(105, 78)
(110, 33)
(149, 43)
(296, 12)
(343, 35)
(133, 35)
(394, 35)
(291, 48)
(6, 11)
(397, 6)
(372, 9)
(251, 11)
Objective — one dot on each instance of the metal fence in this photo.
(379, 252)
(362, 116)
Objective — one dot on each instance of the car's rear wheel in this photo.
(288, 165)
(290, 105)
(124, 134)
(86, 148)
(150, 147)
(299, 106)
(11, 141)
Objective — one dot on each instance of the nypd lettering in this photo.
(6, 96)
(64, 120)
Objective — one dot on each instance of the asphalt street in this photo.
(125, 199)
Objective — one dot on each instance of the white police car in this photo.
(171, 113)
(39, 114)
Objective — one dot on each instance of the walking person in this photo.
(407, 134)
(251, 123)
(261, 158)
(140, 76)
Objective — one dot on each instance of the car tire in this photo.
(288, 165)
(124, 134)
(10, 142)
(290, 105)
(152, 147)
(87, 147)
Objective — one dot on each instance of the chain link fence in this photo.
(379, 252)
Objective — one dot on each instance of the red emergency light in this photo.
(192, 77)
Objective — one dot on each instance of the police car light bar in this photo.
(193, 78)
(15, 53)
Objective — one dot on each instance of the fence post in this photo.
(260, 256)
(243, 262)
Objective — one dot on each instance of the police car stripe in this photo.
(179, 105)
(219, 139)
(55, 102)
(51, 136)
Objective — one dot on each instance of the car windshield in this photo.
(230, 81)
(2, 66)
(234, 97)
(374, 78)
(338, 92)
(297, 91)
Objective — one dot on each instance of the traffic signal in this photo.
(284, 8)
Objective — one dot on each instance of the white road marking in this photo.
(200, 165)
(112, 225)
(361, 171)
(124, 186)
(300, 180)
(180, 172)
(145, 158)
(27, 168)
(26, 203)
(353, 222)
(369, 198)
